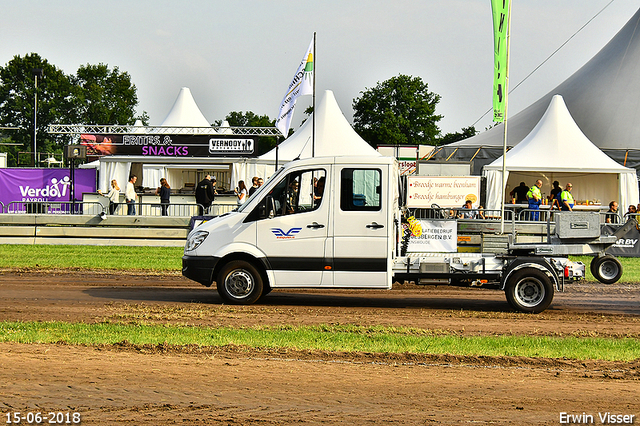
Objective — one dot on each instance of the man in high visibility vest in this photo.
(534, 197)
(566, 199)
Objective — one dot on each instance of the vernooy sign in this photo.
(169, 145)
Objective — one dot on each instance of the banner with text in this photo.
(445, 191)
(434, 236)
(501, 12)
(170, 145)
(35, 185)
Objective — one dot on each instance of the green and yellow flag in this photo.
(501, 10)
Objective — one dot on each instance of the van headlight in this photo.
(195, 240)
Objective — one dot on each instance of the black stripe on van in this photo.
(328, 264)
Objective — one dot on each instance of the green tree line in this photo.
(397, 111)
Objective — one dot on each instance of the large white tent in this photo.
(185, 112)
(603, 97)
(333, 136)
(556, 149)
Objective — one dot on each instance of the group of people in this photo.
(532, 196)
(613, 214)
(243, 194)
(205, 194)
(130, 196)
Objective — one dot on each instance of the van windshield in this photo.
(260, 190)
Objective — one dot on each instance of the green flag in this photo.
(501, 12)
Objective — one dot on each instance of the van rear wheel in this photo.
(240, 283)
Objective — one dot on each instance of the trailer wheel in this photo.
(240, 283)
(606, 269)
(529, 290)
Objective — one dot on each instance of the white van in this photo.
(336, 222)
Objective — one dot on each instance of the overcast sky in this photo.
(240, 55)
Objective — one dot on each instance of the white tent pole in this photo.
(313, 124)
(504, 142)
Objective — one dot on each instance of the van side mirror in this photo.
(267, 208)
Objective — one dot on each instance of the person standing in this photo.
(241, 193)
(113, 196)
(519, 193)
(254, 185)
(164, 191)
(130, 195)
(566, 199)
(205, 194)
(534, 198)
(612, 214)
(553, 195)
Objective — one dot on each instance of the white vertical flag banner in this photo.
(302, 84)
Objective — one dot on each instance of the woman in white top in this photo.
(113, 196)
(241, 193)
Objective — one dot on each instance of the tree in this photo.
(400, 110)
(250, 119)
(17, 101)
(466, 133)
(105, 96)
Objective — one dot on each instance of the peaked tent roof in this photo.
(554, 140)
(334, 136)
(185, 112)
(603, 95)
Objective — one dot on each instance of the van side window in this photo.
(298, 192)
(360, 190)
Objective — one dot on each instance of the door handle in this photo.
(315, 225)
(375, 225)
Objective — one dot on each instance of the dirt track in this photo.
(234, 385)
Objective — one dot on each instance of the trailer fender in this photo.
(530, 262)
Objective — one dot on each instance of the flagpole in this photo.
(313, 102)
(506, 105)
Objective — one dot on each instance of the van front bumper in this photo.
(199, 268)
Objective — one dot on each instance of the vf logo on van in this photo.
(282, 235)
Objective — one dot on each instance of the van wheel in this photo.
(606, 269)
(240, 283)
(529, 290)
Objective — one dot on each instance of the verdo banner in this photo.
(33, 185)
(445, 191)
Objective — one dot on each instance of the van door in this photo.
(362, 246)
(294, 239)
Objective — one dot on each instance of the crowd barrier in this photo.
(96, 208)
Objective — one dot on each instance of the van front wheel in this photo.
(240, 283)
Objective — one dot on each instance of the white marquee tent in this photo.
(556, 149)
(603, 97)
(333, 136)
(184, 113)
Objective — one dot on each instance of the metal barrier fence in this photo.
(53, 207)
(172, 209)
(157, 209)
(96, 208)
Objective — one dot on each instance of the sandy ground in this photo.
(235, 385)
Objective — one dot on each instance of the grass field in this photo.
(348, 338)
(330, 338)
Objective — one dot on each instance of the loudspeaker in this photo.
(76, 151)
